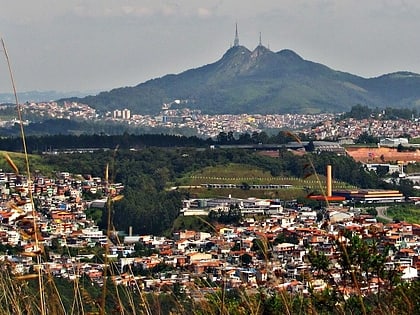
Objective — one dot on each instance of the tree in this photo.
(280, 238)
(263, 137)
(230, 138)
(255, 137)
(372, 211)
(367, 138)
(244, 138)
(310, 147)
(283, 137)
(222, 138)
(236, 247)
(319, 260)
(359, 112)
(246, 259)
(406, 186)
(382, 170)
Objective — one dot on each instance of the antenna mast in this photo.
(236, 41)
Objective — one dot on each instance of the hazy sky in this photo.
(69, 45)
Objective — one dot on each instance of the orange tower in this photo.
(328, 194)
(329, 181)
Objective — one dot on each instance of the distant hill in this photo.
(263, 81)
(38, 96)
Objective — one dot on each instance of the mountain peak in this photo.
(260, 50)
(235, 51)
(263, 81)
(400, 75)
(289, 55)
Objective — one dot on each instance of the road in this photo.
(381, 213)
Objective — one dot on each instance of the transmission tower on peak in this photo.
(236, 41)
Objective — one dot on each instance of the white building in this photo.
(124, 114)
(393, 142)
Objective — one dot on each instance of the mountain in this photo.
(263, 81)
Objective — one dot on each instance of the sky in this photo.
(98, 45)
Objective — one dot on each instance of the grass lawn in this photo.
(408, 212)
(35, 163)
(240, 174)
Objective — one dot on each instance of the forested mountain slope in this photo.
(263, 81)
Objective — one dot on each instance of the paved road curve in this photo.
(381, 213)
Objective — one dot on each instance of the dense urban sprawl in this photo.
(320, 126)
(229, 253)
(233, 255)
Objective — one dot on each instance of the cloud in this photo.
(143, 9)
(94, 41)
(138, 11)
(204, 12)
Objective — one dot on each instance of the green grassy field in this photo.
(408, 213)
(240, 174)
(35, 163)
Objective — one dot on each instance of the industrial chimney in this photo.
(329, 181)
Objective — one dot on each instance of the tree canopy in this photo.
(150, 208)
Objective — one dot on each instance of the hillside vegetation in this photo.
(150, 208)
(262, 81)
(36, 163)
(409, 213)
(147, 174)
(241, 174)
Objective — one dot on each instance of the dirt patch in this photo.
(382, 155)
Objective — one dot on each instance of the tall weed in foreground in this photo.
(38, 292)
